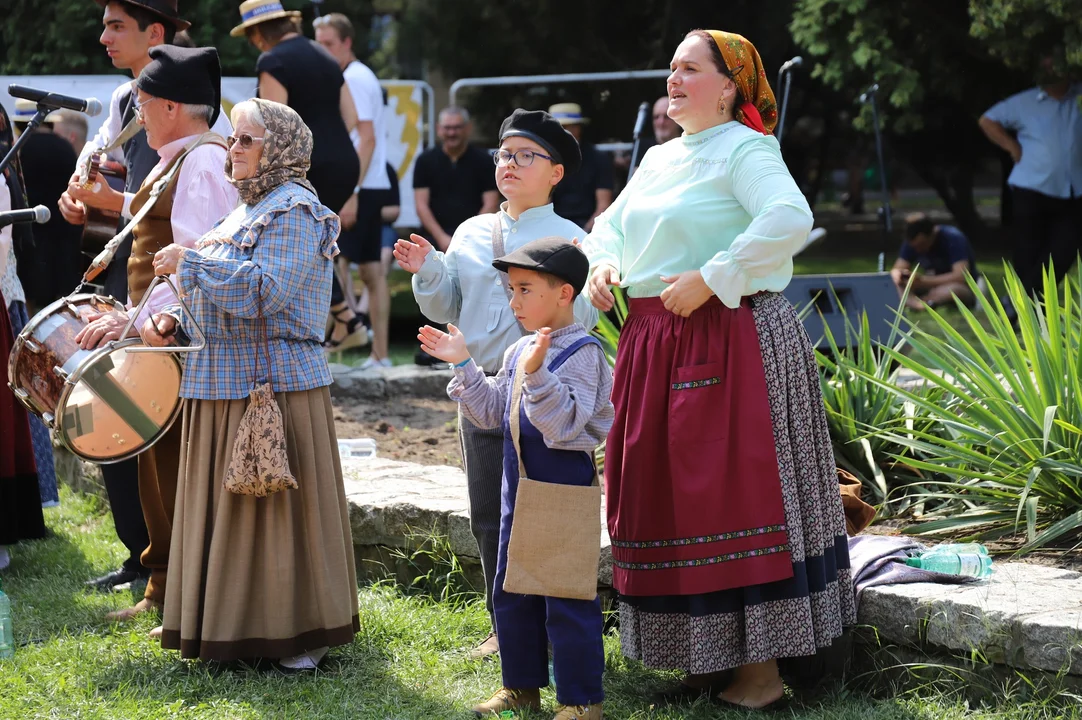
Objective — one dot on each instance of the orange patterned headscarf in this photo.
(759, 111)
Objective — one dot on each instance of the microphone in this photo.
(867, 95)
(90, 106)
(39, 214)
(640, 121)
(790, 64)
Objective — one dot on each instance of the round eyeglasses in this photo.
(522, 158)
(138, 106)
(244, 139)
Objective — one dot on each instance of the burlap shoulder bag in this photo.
(555, 544)
(260, 463)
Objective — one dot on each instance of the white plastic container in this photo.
(357, 448)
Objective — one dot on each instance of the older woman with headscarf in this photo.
(270, 576)
(728, 537)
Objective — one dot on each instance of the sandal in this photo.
(353, 338)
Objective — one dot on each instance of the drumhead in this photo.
(118, 403)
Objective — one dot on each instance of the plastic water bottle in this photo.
(7, 637)
(959, 548)
(969, 564)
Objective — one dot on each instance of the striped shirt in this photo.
(284, 244)
(571, 407)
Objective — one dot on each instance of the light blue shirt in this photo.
(461, 286)
(1050, 133)
(721, 202)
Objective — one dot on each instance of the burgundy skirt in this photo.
(693, 490)
(20, 502)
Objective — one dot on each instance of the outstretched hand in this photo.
(447, 346)
(411, 253)
(535, 356)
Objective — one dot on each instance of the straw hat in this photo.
(166, 9)
(253, 12)
(26, 109)
(568, 114)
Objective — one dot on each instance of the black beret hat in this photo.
(192, 76)
(553, 255)
(546, 131)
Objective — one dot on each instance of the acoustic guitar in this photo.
(100, 224)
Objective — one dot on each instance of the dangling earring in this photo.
(721, 106)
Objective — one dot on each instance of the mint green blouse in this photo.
(720, 201)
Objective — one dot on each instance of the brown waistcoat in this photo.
(155, 230)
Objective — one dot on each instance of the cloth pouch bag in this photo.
(555, 544)
(260, 464)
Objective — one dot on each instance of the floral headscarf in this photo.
(759, 111)
(287, 153)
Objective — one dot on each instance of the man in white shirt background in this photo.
(362, 243)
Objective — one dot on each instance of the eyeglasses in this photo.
(244, 139)
(522, 158)
(138, 106)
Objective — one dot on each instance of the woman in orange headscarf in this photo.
(728, 537)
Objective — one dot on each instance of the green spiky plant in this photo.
(1007, 448)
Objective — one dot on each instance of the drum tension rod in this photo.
(61, 372)
(32, 346)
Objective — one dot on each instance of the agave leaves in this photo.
(607, 331)
(1007, 434)
(857, 385)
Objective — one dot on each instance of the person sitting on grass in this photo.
(943, 256)
(566, 382)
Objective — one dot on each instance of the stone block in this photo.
(1025, 616)
(1052, 641)
(356, 384)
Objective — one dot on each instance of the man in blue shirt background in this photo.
(943, 255)
(1046, 183)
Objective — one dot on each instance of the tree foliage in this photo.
(1020, 32)
(935, 81)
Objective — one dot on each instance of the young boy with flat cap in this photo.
(460, 286)
(566, 413)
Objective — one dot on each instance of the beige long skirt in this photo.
(265, 577)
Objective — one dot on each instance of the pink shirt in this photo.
(203, 196)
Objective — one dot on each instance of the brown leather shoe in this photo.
(489, 646)
(579, 712)
(510, 699)
(142, 606)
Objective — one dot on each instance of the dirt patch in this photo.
(419, 430)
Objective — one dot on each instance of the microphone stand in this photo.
(788, 74)
(31, 126)
(868, 97)
(640, 120)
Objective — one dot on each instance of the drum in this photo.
(106, 404)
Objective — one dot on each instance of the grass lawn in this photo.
(408, 661)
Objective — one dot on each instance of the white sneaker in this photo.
(305, 661)
(373, 364)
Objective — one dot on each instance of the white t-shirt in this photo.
(368, 97)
